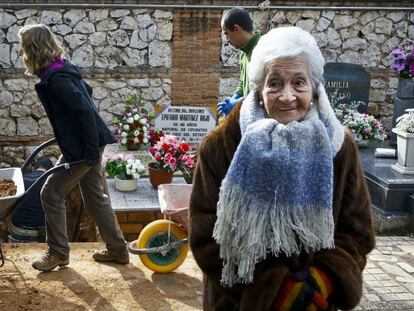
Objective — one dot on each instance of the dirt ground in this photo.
(87, 285)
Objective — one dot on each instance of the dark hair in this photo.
(238, 16)
(43, 162)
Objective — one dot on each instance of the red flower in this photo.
(184, 147)
(165, 146)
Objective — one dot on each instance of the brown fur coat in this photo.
(354, 236)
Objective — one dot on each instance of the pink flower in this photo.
(167, 158)
(173, 161)
(189, 163)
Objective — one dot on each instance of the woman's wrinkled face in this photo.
(287, 91)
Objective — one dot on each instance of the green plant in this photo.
(124, 166)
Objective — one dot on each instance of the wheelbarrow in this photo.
(9, 204)
(162, 245)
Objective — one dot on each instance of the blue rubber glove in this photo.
(228, 104)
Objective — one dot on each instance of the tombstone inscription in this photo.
(348, 84)
(190, 123)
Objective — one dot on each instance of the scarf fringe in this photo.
(241, 218)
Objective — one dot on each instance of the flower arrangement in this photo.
(123, 166)
(362, 125)
(405, 123)
(169, 154)
(403, 61)
(133, 126)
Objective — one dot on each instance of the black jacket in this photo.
(78, 128)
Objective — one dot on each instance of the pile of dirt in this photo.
(7, 188)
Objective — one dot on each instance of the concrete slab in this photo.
(144, 199)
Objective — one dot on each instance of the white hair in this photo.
(285, 42)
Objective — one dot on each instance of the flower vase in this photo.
(362, 143)
(125, 185)
(405, 152)
(159, 176)
(132, 146)
(404, 99)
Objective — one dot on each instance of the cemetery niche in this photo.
(349, 84)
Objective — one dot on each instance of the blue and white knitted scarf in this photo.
(277, 194)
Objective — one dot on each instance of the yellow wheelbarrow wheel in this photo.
(155, 234)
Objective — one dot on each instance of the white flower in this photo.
(145, 140)
(130, 120)
(136, 140)
(405, 122)
(135, 175)
(143, 121)
(136, 117)
(124, 134)
(136, 132)
(123, 141)
(126, 127)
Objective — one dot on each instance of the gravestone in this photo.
(347, 84)
(186, 122)
(391, 194)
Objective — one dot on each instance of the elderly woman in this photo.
(280, 212)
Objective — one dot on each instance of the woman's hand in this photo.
(307, 289)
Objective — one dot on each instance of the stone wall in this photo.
(177, 56)
(121, 52)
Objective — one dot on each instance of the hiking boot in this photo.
(50, 261)
(121, 257)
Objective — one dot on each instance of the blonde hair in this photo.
(39, 46)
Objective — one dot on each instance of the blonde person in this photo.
(280, 214)
(81, 135)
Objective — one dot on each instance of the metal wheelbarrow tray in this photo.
(10, 203)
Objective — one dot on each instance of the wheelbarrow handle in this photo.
(60, 167)
(36, 151)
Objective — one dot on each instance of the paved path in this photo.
(87, 285)
(389, 275)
